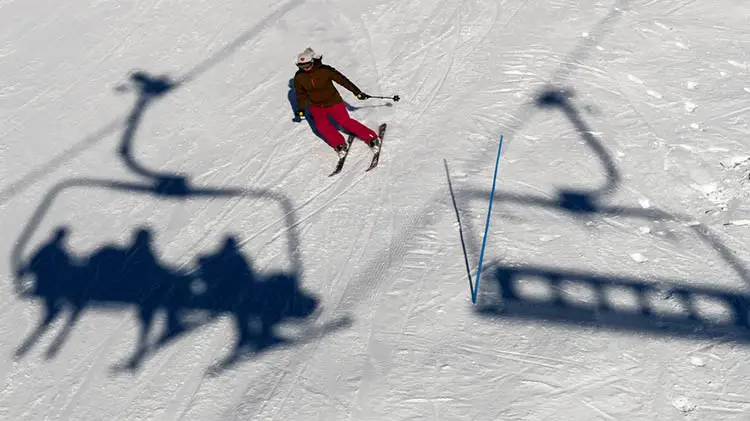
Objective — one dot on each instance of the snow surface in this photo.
(616, 283)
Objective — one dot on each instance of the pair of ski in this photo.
(375, 157)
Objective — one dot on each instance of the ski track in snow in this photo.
(381, 247)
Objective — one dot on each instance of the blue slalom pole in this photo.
(487, 225)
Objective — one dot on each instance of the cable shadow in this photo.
(579, 53)
(35, 175)
(32, 177)
(570, 63)
(240, 41)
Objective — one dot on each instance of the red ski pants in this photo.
(338, 114)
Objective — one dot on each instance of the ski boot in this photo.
(374, 145)
(341, 150)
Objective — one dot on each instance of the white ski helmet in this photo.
(307, 56)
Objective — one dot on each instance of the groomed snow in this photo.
(616, 282)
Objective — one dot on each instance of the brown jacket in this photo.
(316, 86)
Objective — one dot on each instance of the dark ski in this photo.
(376, 157)
(340, 164)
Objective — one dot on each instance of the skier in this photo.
(313, 85)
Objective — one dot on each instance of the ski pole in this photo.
(394, 97)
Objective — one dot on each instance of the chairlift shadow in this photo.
(691, 318)
(655, 306)
(87, 291)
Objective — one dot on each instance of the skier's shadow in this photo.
(52, 288)
(292, 97)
